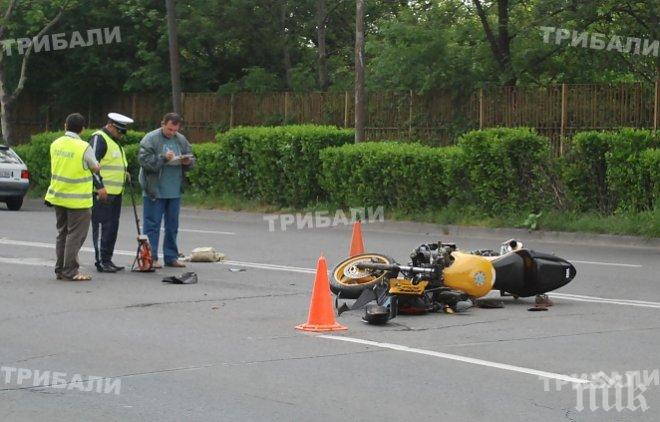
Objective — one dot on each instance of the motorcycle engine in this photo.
(432, 255)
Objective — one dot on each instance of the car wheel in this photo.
(15, 203)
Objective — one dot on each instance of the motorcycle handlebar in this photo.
(376, 266)
(393, 267)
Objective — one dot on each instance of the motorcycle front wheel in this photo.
(350, 281)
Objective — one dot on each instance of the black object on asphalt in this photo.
(185, 278)
(538, 308)
(489, 303)
(376, 314)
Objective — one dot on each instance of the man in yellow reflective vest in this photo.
(110, 187)
(72, 162)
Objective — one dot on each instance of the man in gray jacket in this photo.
(164, 156)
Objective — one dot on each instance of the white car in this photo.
(14, 178)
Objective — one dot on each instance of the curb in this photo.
(502, 234)
(448, 231)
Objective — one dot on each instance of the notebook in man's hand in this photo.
(176, 160)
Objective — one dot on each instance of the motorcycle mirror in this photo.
(510, 245)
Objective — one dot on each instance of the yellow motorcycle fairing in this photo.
(472, 274)
(403, 286)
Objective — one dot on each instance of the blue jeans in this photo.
(153, 212)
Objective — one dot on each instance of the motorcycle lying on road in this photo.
(439, 276)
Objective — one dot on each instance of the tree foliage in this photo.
(298, 45)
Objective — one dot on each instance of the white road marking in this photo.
(270, 267)
(204, 232)
(593, 299)
(459, 358)
(300, 270)
(4, 241)
(35, 262)
(613, 264)
(293, 269)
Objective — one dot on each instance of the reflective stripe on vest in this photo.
(113, 165)
(70, 182)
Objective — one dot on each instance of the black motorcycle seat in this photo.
(528, 273)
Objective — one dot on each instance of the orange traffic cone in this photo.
(357, 245)
(321, 315)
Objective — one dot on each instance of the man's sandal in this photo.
(78, 277)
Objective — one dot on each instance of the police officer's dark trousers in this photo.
(105, 225)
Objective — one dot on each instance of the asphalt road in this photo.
(226, 348)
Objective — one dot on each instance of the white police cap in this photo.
(120, 119)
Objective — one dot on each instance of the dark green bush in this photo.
(604, 172)
(389, 174)
(651, 163)
(279, 165)
(211, 174)
(496, 171)
(36, 154)
(585, 172)
(132, 158)
(37, 159)
(458, 185)
(508, 169)
(132, 136)
(628, 177)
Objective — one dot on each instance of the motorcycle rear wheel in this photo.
(349, 281)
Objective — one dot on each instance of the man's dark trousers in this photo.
(105, 225)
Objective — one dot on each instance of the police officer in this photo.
(109, 188)
(70, 192)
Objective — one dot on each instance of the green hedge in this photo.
(37, 159)
(651, 166)
(627, 175)
(279, 165)
(585, 171)
(508, 169)
(212, 174)
(389, 174)
(604, 172)
(132, 158)
(132, 137)
(36, 154)
(496, 171)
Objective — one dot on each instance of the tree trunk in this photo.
(656, 106)
(7, 97)
(360, 111)
(174, 56)
(286, 52)
(286, 60)
(321, 17)
(5, 122)
(505, 40)
(500, 45)
(5, 105)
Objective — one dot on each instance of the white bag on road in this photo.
(206, 254)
